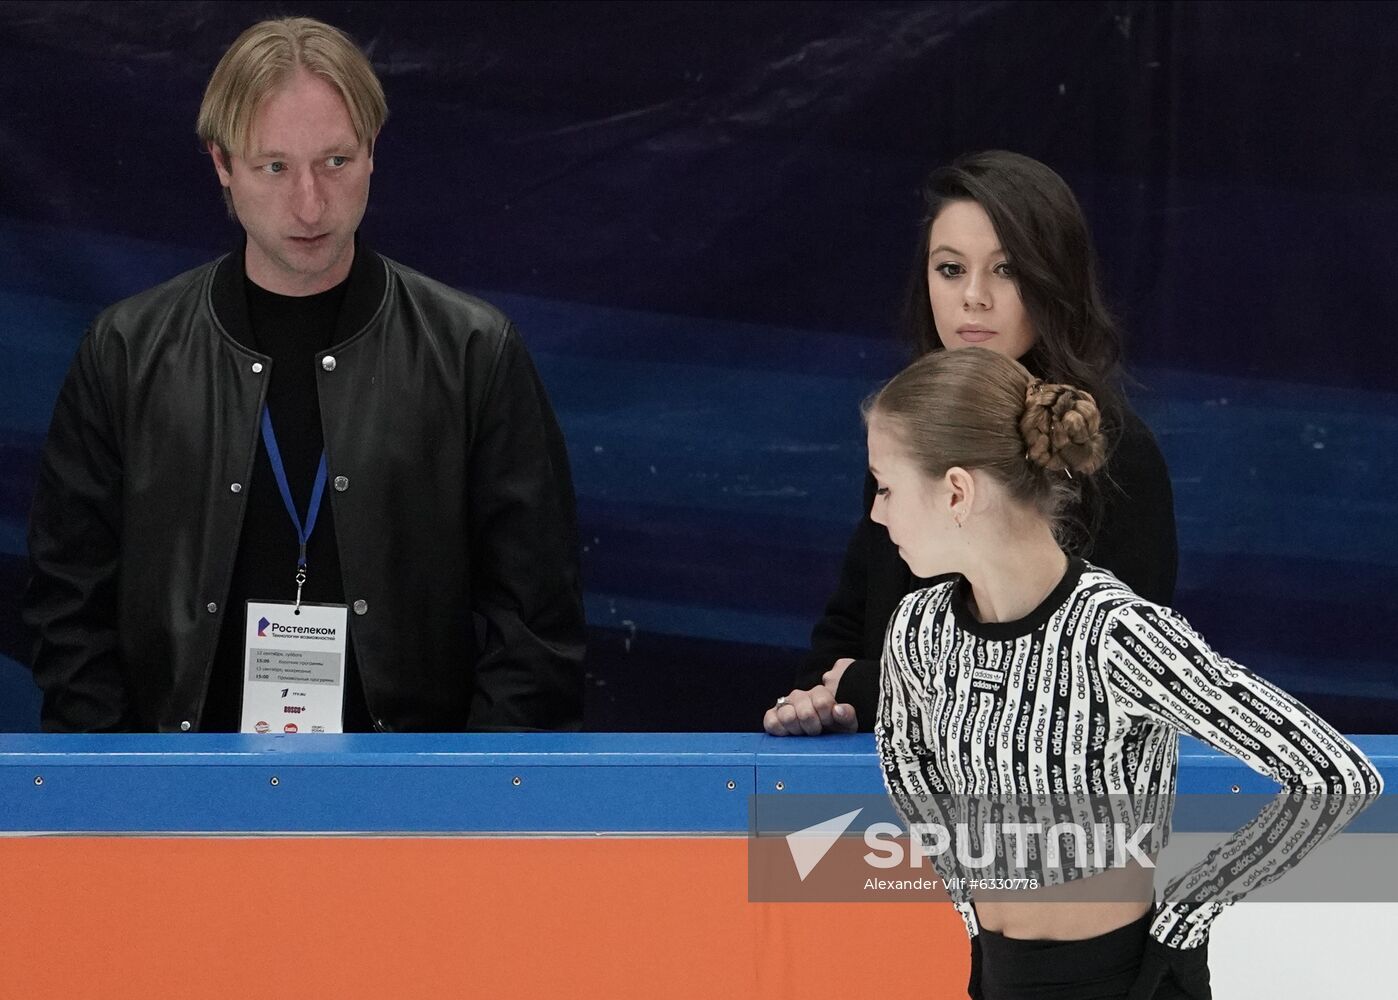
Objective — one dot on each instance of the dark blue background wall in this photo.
(701, 215)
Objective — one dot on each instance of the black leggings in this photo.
(1100, 968)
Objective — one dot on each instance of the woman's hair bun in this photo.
(1062, 428)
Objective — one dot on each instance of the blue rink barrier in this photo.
(597, 783)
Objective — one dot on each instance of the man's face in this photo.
(300, 188)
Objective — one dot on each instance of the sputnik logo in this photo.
(808, 846)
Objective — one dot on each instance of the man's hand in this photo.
(831, 678)
(810, 713)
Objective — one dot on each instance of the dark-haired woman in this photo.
(1005, 262)
(1032, 677)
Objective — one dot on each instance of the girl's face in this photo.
(916, 511)
(971, 286)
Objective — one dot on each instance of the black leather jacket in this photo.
(455, 524)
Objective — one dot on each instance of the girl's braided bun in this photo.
(1062, 428)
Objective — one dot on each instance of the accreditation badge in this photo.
(294, 667)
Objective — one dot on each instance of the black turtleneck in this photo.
(291, 331)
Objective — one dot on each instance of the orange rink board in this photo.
(143, 917)
(505, 865)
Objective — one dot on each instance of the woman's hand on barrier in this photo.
(809, 713)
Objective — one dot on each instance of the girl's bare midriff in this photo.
(1071, 912)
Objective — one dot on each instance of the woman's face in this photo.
(970, 284)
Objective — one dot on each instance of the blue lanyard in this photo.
(303, 533)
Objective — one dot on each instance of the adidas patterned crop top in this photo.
(1085, 697)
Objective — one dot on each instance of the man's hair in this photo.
(264, 57)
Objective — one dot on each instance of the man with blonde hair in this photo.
(303, 488)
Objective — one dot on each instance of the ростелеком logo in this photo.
(262, 624)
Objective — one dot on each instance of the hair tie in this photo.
(1029, 391)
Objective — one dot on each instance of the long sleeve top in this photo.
(1135, 540)
(1085, 697)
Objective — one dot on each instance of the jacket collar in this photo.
(367, 279)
